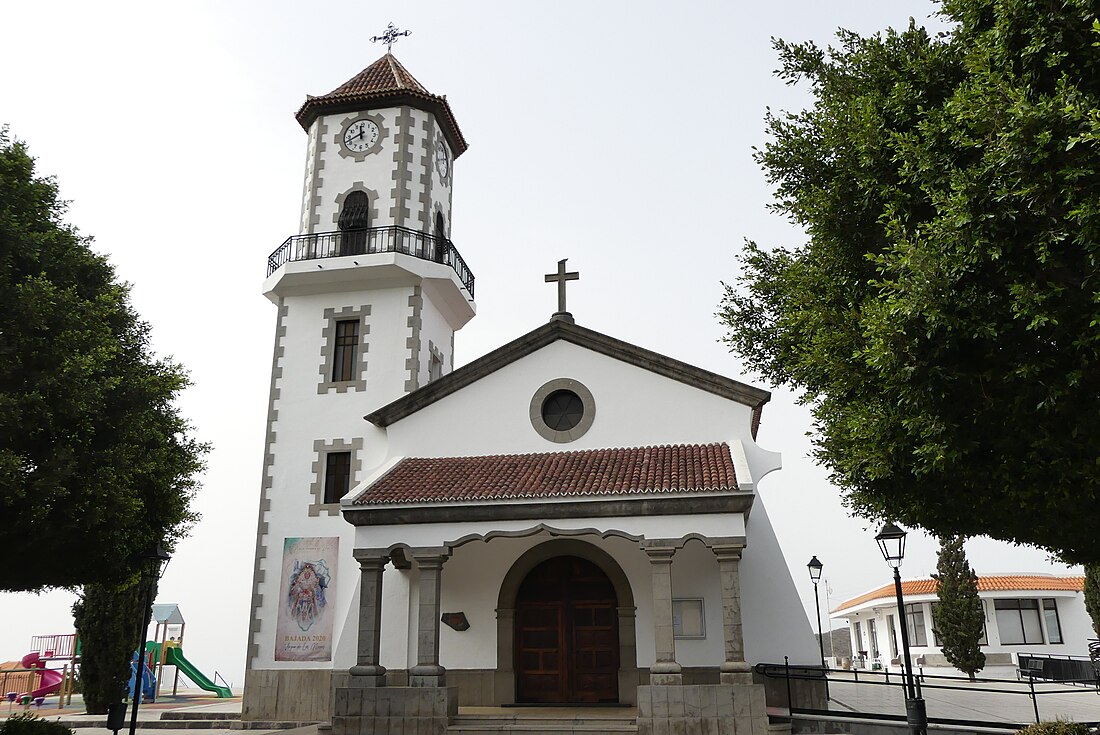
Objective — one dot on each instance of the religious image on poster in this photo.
(306, 599)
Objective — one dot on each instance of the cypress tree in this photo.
(1092, 595)
(959, 620)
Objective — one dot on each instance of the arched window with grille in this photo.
(353, 223)
(440, 237)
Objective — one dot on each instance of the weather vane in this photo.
(390, 36)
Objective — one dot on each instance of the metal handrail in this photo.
(816, 673)
(370, 240)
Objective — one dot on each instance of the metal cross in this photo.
(390, 36)
(560, 278)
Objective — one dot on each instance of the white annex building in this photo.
(516, 531)
(1026, 615)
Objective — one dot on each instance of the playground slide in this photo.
(174, 657)
(49, 679)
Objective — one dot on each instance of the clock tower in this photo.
(370, 293)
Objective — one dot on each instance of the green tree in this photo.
(96, 463)
(942, 318)
(1092, 595)
(958, 620)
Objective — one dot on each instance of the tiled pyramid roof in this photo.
(633, 471)
(385, 82)
(991, 583)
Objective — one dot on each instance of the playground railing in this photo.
(54, 646)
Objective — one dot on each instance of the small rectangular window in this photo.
(1050, 617)
(872, 635)
(893, 636)
(435, 368)
(343, 356)
(337, 476)
(914, 620)
(687, 619)
(1018, 622)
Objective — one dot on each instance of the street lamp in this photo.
(891, 542)
(815, 576)
(153, 564)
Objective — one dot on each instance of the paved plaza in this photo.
(967, 701)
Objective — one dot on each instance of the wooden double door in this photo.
(567, 634)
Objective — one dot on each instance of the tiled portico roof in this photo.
(992, 583)
(593, 472)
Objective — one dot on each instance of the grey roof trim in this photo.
(588, 338)
(739, 502)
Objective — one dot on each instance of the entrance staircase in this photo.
(195, 720)
(544, 721)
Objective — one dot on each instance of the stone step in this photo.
(541, 724)
(551, 728)
(198, 715)
(268, 724)
(156, 724)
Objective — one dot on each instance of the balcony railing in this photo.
(372, 240)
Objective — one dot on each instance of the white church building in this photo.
(567, 520)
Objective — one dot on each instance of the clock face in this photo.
(442, 163)
(361, 136)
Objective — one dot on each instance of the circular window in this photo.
(562, 410)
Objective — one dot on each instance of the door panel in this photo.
(566, 635)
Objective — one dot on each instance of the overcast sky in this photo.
(616, 134)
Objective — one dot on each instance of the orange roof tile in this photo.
(385, 82)
(990, 583)
(633, 471)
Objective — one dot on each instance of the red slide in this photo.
(49, 679)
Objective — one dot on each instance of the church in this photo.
(568, 520)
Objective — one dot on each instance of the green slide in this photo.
(174, 657)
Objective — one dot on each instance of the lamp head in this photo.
(815, 569)
(156, 561)
(891, 542)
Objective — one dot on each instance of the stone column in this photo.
(665, 670)
(428, 672)
(734, 669)
(368, 672)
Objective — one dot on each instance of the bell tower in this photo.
(370, 293)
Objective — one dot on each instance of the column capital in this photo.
(728, 552)
(370, 557)
(659, 550)
(430, 558)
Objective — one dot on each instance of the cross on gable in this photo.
(560, 278)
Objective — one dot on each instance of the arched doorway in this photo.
(566, 634)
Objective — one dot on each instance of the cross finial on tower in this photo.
(560, 278)
(390, 36)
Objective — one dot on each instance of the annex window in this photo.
(1018, 622)
(872, 635)
(343, 356)
(893, 636)
(859, 639)
(983, 641)
(1050, 617)
(914, 618)
(337, 476)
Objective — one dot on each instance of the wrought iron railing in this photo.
(372, 240)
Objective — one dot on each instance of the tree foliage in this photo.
(107, 619)
(1092, 595)
(96, 463)
(959, 620)
(942, 318)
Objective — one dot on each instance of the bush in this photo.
(26, 723)
(1058, 727)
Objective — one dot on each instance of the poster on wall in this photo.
(306, 600)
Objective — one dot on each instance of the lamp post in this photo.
(891, 542)
(815, 576)
(153, 564)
